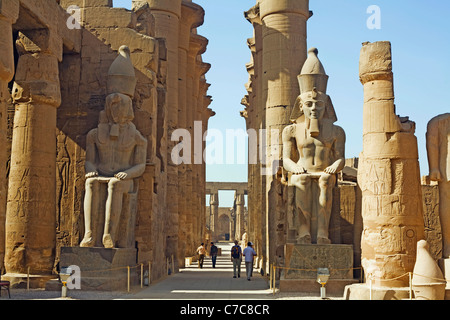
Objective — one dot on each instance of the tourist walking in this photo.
(249, 254)
(213, 251)
(201, 251)
(236, 258)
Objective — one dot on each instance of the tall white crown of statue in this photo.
(121, 74)
(313, 74)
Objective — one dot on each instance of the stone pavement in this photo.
(208, 283)
(190, 283)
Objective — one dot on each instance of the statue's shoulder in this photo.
(440, 118)
(139, 138)
(338, 131)
(92, 134)
(289, 131)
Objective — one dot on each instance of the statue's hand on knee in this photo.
(91, 174)
(334, 168)
(121, 175)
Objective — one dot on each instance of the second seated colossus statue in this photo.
(313, 153)
(116, 154)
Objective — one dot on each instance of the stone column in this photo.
(191, 18)
(284, 51)
(167, 20)
(214, 205)
(30, 217)
(388, 175)
(257, 113)
(197, 46)
(240, 211)
(9, 12)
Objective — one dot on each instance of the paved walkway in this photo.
(208, 283)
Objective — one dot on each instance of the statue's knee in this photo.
(304, 180)
(115, 185)
(326, 181)
(91, 183)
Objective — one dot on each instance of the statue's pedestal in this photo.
(102, 269)
(303, 260)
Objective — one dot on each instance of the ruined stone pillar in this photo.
(30, 217)
(167, 23)
(388, 175)
(9, 12)
(284, 51)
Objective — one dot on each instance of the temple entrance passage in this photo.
(209, 283)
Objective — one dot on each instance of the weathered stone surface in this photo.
(303, 260)
(102, 269)
(388, 175)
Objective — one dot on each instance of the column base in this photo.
(20, 280)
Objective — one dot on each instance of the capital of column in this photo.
(37, 80)
(375, 62)
(9, 13)
(172, 6)
(267, 7)
(253, 15)
(214, 199)
(197, 45)
(240, 199)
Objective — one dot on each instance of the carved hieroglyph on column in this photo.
(388, 175)
(115, 156)
(320, 149)
(438, 148)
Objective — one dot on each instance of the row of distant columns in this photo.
(239, 227)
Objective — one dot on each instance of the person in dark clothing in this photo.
(213, 253)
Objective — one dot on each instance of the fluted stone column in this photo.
(388, 175)
(191, 18)
(197, 46)
(167, 23)
(30, 217)
(9, 12)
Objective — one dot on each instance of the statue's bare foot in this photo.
(304, 240)
(87, 241)
(321, 240)
(107, 241)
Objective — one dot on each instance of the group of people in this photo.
(236, 257)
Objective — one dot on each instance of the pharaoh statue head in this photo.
(313, 104)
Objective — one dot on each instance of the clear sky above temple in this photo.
(420, 37)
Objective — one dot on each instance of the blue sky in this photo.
(418, 30)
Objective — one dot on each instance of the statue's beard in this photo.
(313, 127)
